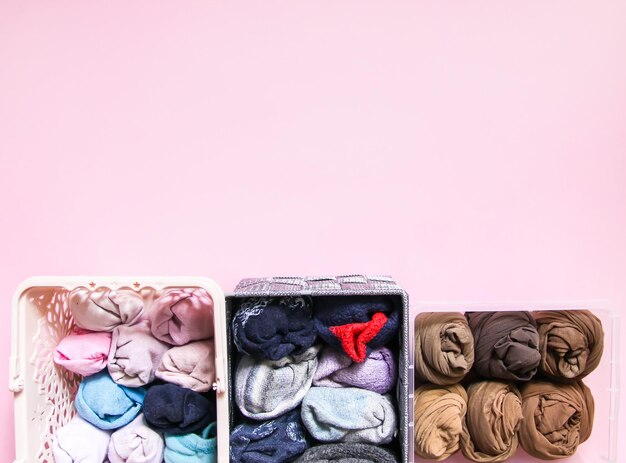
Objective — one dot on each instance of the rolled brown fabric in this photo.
(494, 414)
(439, 412)
(444, 347)
(571, 343)
(506, 345)
(557, 417)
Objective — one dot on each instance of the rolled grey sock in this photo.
(349, 415)
(266, 389)
(347, 453)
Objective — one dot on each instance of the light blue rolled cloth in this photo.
(192, 448)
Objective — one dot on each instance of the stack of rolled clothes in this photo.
(488, 382)
(314, 378)
(148, 373)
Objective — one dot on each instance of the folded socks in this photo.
(106, 404)
(506, 345)
(377, 373)
(173, 409)
(356, 324)
(273, 328)
(135, 355)
(103, 309)
(571, 343)
(439, 412)
(347, 453)
(265, 389)
(182, 315)
(80, 441)
(276, 441)
(444, 347)
(494, 414)
(192, 448)
(557, 417)
(349, 415)
(191, 366)
(136, 443)
(83, 352)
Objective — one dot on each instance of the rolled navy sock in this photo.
(191, 366)
(192, 448)
(277, 441)
(356, 324)
(172, 409)
(83, 352)
(136, 443)
(347, 453)
(265, 389)
(80, 441)
(103, 309)
(106, 404)
(349, 415)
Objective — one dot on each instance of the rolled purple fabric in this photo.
(378, 373)
(83, 352)
(182, 315)
(103, 309)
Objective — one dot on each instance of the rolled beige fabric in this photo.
(557, 417)
(439, 415)
(444, 347)
(103, 309)
(571, 343)
(191, 366)
(494, 414)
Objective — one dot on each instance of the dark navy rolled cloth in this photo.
(356, 324)
(281, 440)
(273, 328)
(173, 409)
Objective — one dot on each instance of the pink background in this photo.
(474, 150)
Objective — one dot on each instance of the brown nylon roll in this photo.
(557, 417)
(506, 345)
(571, 343)
(439, 415)
(444, 347)
(494, 414)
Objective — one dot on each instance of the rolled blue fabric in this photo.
(277, 441)
(192, 448)
(106, 404)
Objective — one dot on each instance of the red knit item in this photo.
(355, 336)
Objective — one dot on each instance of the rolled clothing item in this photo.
(273, 328)
(80, 441)
(494, 414)
(136, 443)
(571, 343)
(356, 324)
(378, 373)
(135, 355)
(557, 418)
(439, 413)
(265, 389)
(349, 415)
(181, 315)
(102, 309)
(191, 366)
(444, 347)
(506, 345)
(106, 404)
(192, 448)
(280, 440)
(83, 352)
(172, 409)
(347, 453)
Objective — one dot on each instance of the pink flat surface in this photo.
(474, 150)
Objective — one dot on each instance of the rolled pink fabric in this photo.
(191, 366)
(83, 352)
(136, 443)
(182, 315)
(378, 373)
(80, 441)
(135, 355)
(103, 309)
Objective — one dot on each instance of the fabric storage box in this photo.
(339, 286)
(601, 446)
(44, 391)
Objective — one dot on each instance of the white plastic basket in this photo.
(601, 447)
(44, 392)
